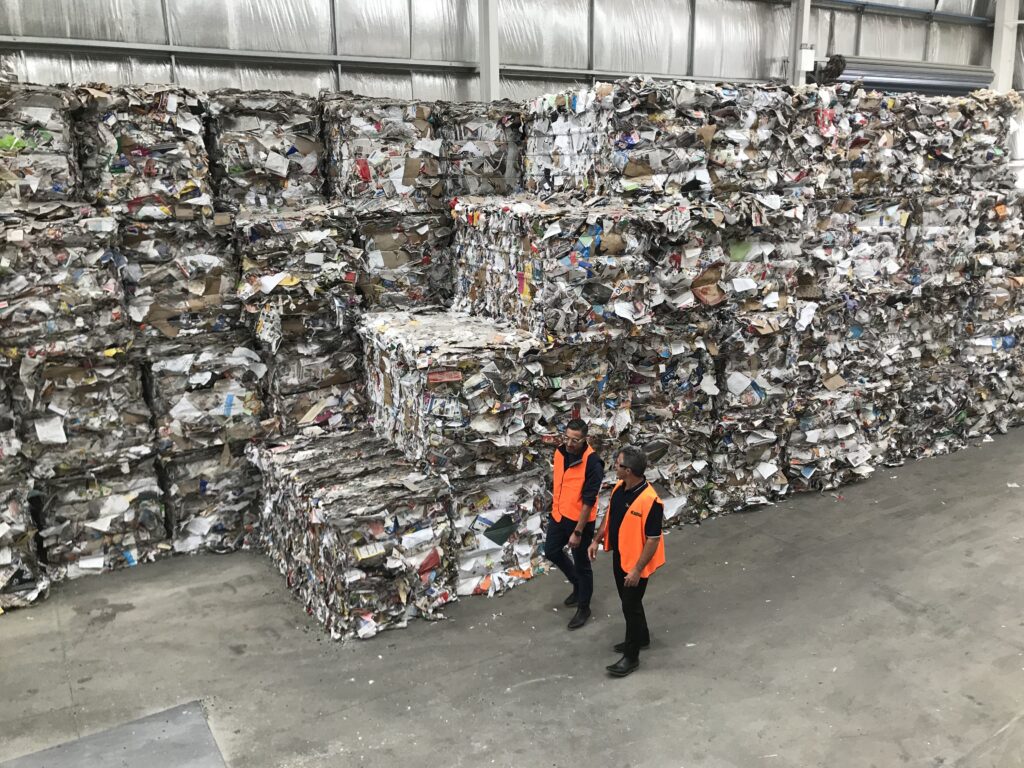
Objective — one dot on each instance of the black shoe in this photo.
(572, 599)
(577, 621)
(621, 647)
(623, 667)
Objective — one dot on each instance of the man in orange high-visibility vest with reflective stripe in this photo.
(578, 472)
(631, 531)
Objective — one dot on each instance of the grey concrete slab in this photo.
(877, 626)
(175, 738)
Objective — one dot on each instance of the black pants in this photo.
(632, 599)
(577, 569)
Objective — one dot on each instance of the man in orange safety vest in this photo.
(578, 472)
(631, 531)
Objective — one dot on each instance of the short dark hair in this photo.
(634, 460)
(579, 425)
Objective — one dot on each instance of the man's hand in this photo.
(592, 550)
(574, 539)
(632, 578)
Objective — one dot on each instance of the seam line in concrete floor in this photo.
(67, 670)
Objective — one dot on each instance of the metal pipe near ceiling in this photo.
(933, 78)
(901, 11)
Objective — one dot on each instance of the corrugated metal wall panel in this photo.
(127, 21)
(257, 25)
(642, 36)
(378, 28)
(552, 32)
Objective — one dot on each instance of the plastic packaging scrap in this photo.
(144, 150)
(567, 140)
(482, 148)
(266, 150)
(180, 279)
(37, 148)
(299, 287)
(362, 537)
(408, 265)
(383, 150)
(212, 497)
(22, 579)
(498, 526)
(104, 521)
(80, 413)
(60, 284)
(206, 391)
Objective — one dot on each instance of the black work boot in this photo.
(577, 621)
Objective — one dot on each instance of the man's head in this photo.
(576, 435)
(630, 464)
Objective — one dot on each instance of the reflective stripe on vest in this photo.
(567, 496)
(631, 533)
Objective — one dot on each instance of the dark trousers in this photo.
(632, 599)
(577, 569)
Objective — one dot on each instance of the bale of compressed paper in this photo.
(22, 579)
(472, 395)
(13, 462)
(81, 412)
(659, 139)
(60, 285)
(482, 148)
(143, 150)
(103, 521)
(567, 141)
(266, 150)
(207, 390)
(37, 147)
(364, 539)
(407, 258)
(300, 275)
(180, 279)
(498, 525)
(568, 273)
(383, 150)
(212, 497)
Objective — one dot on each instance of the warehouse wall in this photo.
(731, 39)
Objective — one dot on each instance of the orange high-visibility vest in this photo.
(631, 533)
(567, 500)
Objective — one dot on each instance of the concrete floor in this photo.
(879, 628)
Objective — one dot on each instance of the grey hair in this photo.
(634, 459)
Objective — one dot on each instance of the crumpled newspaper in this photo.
(144, 151)
(13, 463)
(37, 149)
(299, 281)
(180, 279)
(266, 150)
(103, 521)
(567, 140)
(79, 413)
(212, 497)
(498, 523)
(363, 539)
(482, 146)
(383, 149)
(407, 258)
(60, 285)
(22, 579)
(206, 391)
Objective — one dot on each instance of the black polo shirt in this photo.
(620, 502)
